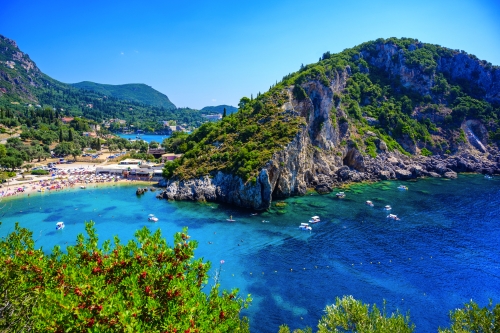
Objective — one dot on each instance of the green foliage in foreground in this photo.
(142, 286)
(148, 286)
(351, 315)
(473, 318)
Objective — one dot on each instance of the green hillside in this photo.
(24, 87)
(220, 109)
(134, 92)
(371, 101)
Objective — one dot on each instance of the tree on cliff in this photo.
(142, 286)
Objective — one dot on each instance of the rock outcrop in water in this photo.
(332, 145)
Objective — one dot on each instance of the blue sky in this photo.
(202, 53)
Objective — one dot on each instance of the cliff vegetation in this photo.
(391, 95)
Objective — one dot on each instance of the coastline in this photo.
(34, 192)
(45, 185)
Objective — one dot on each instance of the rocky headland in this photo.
(337, 144)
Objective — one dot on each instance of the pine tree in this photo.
(70, 136)
(224, 114)
(60, 135)
(98, 144)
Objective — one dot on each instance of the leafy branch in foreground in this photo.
(143, 286)
(351, 315)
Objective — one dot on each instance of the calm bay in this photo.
(440, 254)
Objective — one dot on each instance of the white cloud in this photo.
(122, 53)
(214, 100)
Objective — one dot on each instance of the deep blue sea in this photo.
(146, 137)
(443, 252)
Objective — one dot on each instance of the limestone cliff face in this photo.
(457, 66)
(325, 153)
(18, 73)
(223, 188)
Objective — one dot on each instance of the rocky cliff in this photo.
(342, 139)
(18, 73)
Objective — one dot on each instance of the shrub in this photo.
(299, 93)
(142, 286)
(39, 172)
(425, 152)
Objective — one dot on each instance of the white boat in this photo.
(393, 217)
(340, 195)
(488, 177)
(305, 226)
(153, 218)
(83, 187)
(59, 225)
(314, 219)
(402, 187)
(387, 207)
(369, 203)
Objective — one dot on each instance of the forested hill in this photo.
(134, 92)
(23, 85)
(220, 109)
(390, 108)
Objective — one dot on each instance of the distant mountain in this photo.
(134, 92)
(220, 109)
(23, 86)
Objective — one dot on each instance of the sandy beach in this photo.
(74, 176)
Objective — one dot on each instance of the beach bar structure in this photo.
(132, 171)
(117, 170)
(131, 161)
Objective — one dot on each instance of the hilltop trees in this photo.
(142, 286)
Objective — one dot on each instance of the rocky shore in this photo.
(277, 181)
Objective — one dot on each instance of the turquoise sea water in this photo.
(443, 252)
(146, 137)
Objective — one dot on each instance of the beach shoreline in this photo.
(43, 185)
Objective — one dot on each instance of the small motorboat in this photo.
(230, 219)
(314, 219)
(369, 203)
(402, 187)
(387, 207)
(265, 221)
(305, 226)
(59, 225)
(393, 217)
(83, 187)
(488, 177)
(340, 195)
(152, 218)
